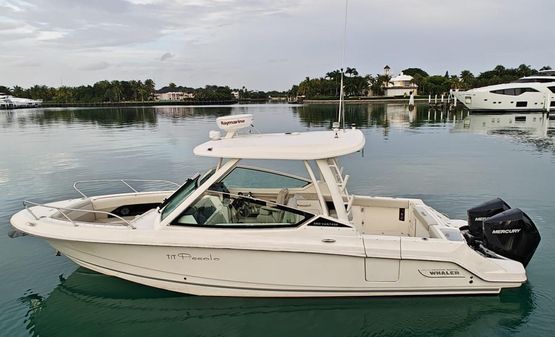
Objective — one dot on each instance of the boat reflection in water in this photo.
(91, 304)
(532, 128)
(385, 115)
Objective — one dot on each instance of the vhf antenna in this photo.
(341, 112)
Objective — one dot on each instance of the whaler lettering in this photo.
(444, 272)
(441, 273)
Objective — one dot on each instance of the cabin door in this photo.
(383, 258)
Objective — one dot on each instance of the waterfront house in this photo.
(401, 85)
(174, 94)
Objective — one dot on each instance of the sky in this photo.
(263, 44)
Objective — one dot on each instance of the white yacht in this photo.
(528, 94)
(11, 102)
(249, 231)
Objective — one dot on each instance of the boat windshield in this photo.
(253, 177)
(225, 210)
(183, 192)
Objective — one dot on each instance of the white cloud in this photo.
(49, 35)
(95, 66)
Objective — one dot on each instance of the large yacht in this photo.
(528, 94)
(11, 102)
(242, 230)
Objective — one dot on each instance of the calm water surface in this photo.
(452, 161)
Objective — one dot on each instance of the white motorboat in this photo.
(249, 231)
(528, 94)
(11, 102)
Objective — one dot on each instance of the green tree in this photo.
(415, 72)
(5, 90)
(467, 79)
(18, 91)
(149, 88)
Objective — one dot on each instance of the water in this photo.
(453, 162)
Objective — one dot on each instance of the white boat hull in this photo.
(487, 102)
(236, 272)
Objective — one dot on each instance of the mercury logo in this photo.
(480, 218)
(506, 231)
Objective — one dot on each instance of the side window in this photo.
(254, 178)
(220, 209)
(513, 92)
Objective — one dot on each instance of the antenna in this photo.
(341, 112)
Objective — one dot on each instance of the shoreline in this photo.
(135, 104)
(364, 100)
(223, 102)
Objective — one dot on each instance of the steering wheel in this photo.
(242, 207)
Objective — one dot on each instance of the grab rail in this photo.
(26, 204)
(124, 181)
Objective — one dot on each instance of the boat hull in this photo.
(487, 102)
(255, 273)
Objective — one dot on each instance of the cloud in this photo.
(166, 56)
(95, 66)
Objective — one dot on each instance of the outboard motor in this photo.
(478, 214)
(512, 234)
(494, 228)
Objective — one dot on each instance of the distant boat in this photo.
(528, 94)
(11, 102)
(296, 99)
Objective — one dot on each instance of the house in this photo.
(401, 85)
(174, 94)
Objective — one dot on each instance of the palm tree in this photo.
(149, 88)
(467, 79)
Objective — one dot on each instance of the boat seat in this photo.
(269, 215)
(272, 215)
(282, 196)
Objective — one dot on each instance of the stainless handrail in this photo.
(26, 203)
(124, 181)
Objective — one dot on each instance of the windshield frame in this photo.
(201, 186)
(190, 185)
(197, 180)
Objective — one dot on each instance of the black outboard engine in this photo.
(478, 214)
(512, 234)
(494, 227)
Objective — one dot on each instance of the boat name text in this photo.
(187, 256)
